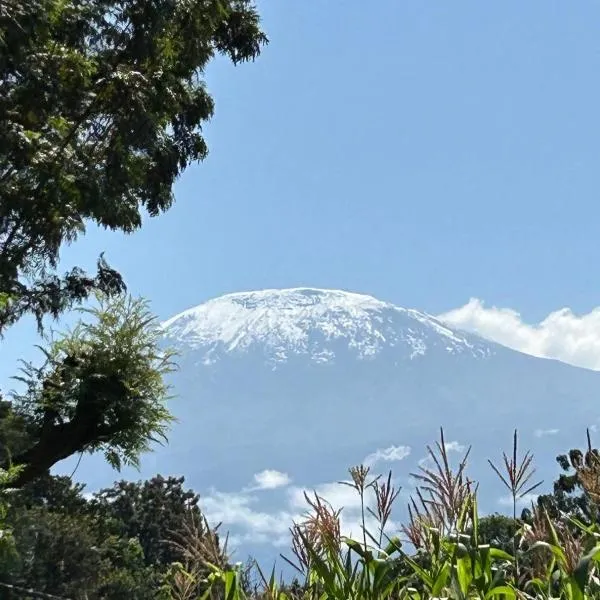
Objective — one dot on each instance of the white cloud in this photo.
(240, 514)
(351, 526)
(270, 479)
(338, 495)
(562, 335)
(522, 502)
(454, 447)
(390, 454)
(343, 497)
(544, 432)
(236, 510)
(236, 541)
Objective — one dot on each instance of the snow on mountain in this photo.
(282, 390)
(306, 321)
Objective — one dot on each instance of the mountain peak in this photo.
(311, 321)
(294, 297)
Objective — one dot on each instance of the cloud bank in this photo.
(270, 479)
(244, 514)
(241, 513)
(562, 335)
(427, 462)
(522, 502)
(238, 510)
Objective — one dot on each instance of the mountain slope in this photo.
(308, 382)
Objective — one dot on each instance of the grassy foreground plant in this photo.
(517, 480)
(443, 554)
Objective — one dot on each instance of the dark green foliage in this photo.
(152, 512)
(498, 531)
(15, 431)
(100, 389)
(572, 494)
(57, 552)
(102, 104)
(114, 545)
(53, 493)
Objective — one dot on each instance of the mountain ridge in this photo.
(309, 321)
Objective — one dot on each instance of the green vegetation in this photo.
(447, 550)
(149, 540)
(100, 388)
(102, 104)
(111, 545)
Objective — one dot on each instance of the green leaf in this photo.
(497, 554)
(556, 550)
(463, 572)
(355, 546)
(441, 580)
(394, 545)
(581, 572)
(501, 590)
(231, 588)
(420, 572)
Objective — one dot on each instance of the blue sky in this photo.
(422, 152)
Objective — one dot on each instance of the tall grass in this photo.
(516, 478)
(438, 553)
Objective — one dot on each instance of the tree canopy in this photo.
(118, 543)
(576, 492)
(101, 388)
(102, 104)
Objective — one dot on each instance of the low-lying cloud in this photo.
(269, 479)
(240, 512)
(562, 335)
(524, 501)
(427, 462)
(454, 447)
(390, 454)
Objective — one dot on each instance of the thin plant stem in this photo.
(516, 478)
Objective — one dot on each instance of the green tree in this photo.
(114, 545)
(102, 104)
(576, 492)
(101, 389)
(499, 531)
(154, 512)
(63, 553)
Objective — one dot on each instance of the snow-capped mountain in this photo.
(311, 322)
(281, 390)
